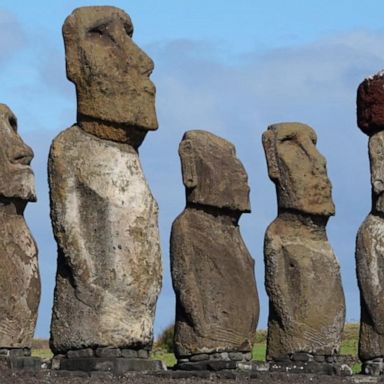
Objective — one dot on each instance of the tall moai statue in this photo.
(103, 213)
(370, 237)
(217, 306)
(302, 277)
(19, 273)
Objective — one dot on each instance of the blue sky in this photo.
(228, 67)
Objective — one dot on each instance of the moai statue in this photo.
(217, 306)
(103, 213)
(370, 237)
(306, 299)
(19, 273)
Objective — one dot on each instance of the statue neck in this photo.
(107, 130)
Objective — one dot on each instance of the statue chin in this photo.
(20, 186)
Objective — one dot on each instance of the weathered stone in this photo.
(372, 368)
(302, 356)
(307, 308)
(115, 365)
(370, 104)
(108, 352)
(111, 74)
(247, 356)
(19, 274)
(208, 365)
(103, 214)
(199, 357)
(75, 354)
(236, 356)
(219, 356)
(370, 260)
(27, 363)
(129, 353)
(15, 352)
(142, 354)
(308, 367)
(319, 358)
(212, 271)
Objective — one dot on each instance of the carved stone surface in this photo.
(370, 260)
(370, 104)
(307, 308)
(103, 213)
(19, 274)
(212, 271)
(110, 71)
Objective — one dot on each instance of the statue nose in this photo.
(22, 154)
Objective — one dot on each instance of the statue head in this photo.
(376, 157)
(16, 176)
(110, 72)
(298, 169)
(212, 174)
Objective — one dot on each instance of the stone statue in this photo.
(103, 213)
(370, 237)
(217, 306)
(19, 273)
(306, 299)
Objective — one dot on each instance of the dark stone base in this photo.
(314, 367)
(27, 363)
(20, 358)
(213, 365)
(373, 367)
(114, 365)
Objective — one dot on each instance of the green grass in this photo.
(42, 353)
(349, 346)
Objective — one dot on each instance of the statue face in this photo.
(212, 173)
(110, 71)
(298, 169)
(376, 156)
(16, 176)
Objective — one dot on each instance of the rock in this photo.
(103, 213)
(301, 356)
(108, 352)
(199, 357)
(86, 352)
(235, 356)
(307, 308)
(142, 354)
(370, 258)
(370, 104)
(129, 353)
(212, 271)
(19, 273)
(115, 365)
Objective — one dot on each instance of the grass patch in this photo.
(45, 353)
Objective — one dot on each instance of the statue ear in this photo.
(188, 165)
(270, 154)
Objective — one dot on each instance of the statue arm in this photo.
(275, 279)
(369, 251)
(64, 201)
(183, 278)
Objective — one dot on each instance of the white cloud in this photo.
(12, 36)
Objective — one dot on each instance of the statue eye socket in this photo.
(13, 122)
(98, 30)
(128, 29)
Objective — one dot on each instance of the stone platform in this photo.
(114, 360)
(20, 358)
(316, 364)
